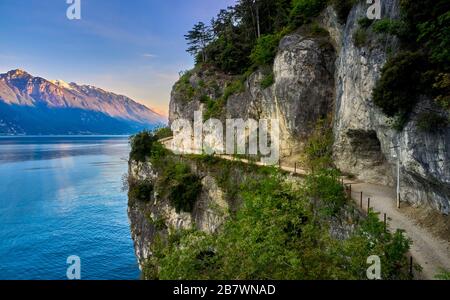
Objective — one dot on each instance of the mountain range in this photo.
(35, 106)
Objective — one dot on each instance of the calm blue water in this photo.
(61, 196)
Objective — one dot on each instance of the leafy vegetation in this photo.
(265, 49)
(145, 145)
(319, 147)
(432, 122)
(343, 8)
(163, 132)
(247, 34)
(443, 275)
(360, 37)
(180, 185)
(304, 10)
(323, 187)
(365, 22)
(268, 80)
(423, 66)
(140, 191)
(401, 83)
(388, 26)
(277, 234)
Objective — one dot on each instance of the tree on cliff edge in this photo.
(198, 38)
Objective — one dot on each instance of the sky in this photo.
(130, 47)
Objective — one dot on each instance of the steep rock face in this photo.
(302, 92)
(188, 93)
(311, 80)
(365, 143)
(157, 217)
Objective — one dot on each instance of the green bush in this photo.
(365, 22)
(304, 10)
(390, 247)
(163, 132)
(145, 145)
(317, 31)
(431, 122)
(236, 86)
(401, 83)
(140, 191)
(424, 31)
(443, 275)
(324, 186)
(388, 26)
(213, 109)
(142, 145)
(181, 186)
(205, 99)
(360, 37)
(343, 8)
(185, 87)
(268, 80)
(265, 50)
(441, 89)
(159, 224)
(319, 147)
(435, 34)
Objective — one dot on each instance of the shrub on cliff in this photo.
(421, 68)
(304, 10)
(163, 132)
(265, 50)
(319, 147)
(180, 185)
(343, 8)
(145, 145)
(402, 81)
(140, 190)
(432, 122)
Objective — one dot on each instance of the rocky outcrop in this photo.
(302, 92)
(319, 76)
(365, 143)
(157, 218)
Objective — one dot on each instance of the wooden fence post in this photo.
(368, 205)
(361, 202)
(385, 223)
(411, 267)
(295, 168)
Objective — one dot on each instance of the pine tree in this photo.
(198, 39)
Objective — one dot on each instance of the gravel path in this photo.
(427, 250)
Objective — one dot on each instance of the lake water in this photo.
(62, 196)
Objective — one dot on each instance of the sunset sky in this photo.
(135, 48)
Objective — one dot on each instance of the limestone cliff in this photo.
(318, 76)
(156, 217)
